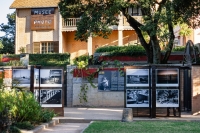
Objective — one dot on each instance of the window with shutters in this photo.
(46, 47)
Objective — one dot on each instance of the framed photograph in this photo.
(167, 77)
(21, 77)
(48, 77)
(104, 80)
(137, 98)
(137, 77)
(167, 98)
(49, 97)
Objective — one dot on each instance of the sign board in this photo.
(42, 19)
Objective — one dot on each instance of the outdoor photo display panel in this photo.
(21, 77)
(167, 98)
(167, 77)
(110, 80)
(137, 77)
(137, 98)
(48, 77)
(49, 97)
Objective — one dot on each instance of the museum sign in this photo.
(42, 19)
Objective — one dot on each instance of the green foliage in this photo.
(8, 47)
(83, 93)
(17, 56)
(14, 63)
(46, 115)
(98, 16)
(8, 40)
(143, 127)
(5, 119)
(49, 59)
(180, 48)
(24, 125)
(20, 109)
(14, 129)
(185, 30)
(22, 105)
(83, 61)
(22, 49)
(132, 50)
(1, 45)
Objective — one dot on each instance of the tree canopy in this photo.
(8, 40)
(97, 17)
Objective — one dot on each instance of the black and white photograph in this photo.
(167, 98)
(48, 77)
(137, 98)
(167, 77)
(104, 80)
(137, 77)
(49, 97)
(21, 77)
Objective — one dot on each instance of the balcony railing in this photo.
(71, 22)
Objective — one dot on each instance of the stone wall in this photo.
(95, 98)
(98, 98)
(195, 76)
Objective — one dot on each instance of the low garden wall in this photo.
(195, 76)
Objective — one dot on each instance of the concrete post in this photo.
(127, 115)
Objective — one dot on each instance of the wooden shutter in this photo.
(56, 47)
(36, 47)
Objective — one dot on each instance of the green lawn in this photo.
(143, 127)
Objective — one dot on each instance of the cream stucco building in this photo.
(41, 29)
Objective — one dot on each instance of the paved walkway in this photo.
(75, 120)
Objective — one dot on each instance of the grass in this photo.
(143, 127)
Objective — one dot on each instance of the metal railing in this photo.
(70, 22)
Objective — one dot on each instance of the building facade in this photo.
(41, 29)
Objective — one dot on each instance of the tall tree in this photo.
(98, 15)
(8, 40)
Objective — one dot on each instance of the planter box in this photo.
(7, 59)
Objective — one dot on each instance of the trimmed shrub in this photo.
(132, 50)
(49, 59)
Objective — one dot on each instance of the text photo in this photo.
(167, 98)
(167, 77)
(137, 77)
(21, 77)
(137, 98)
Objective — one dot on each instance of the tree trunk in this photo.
(156, 50)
